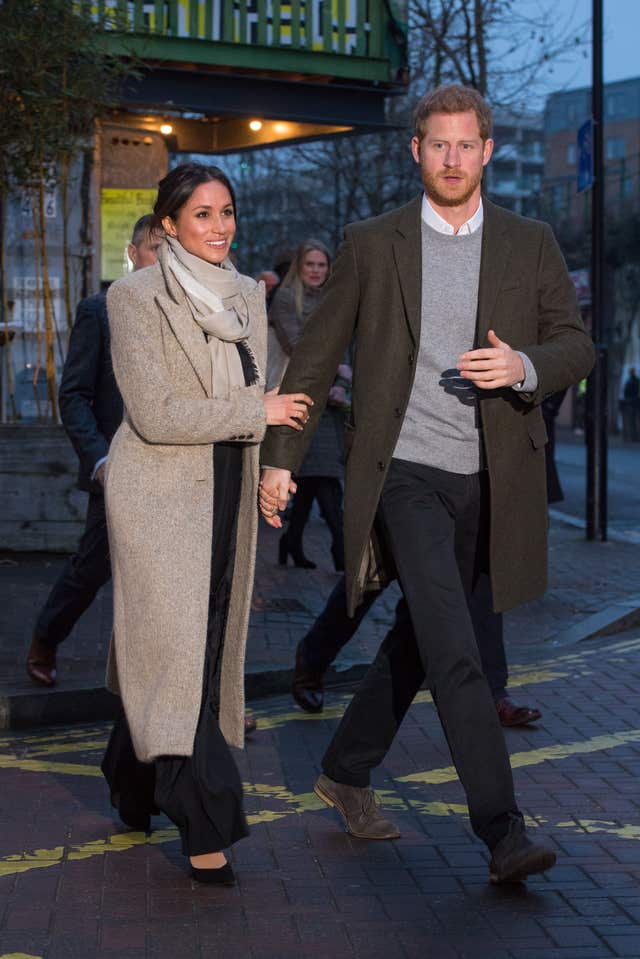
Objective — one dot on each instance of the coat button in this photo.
(233, 438)
(397, 412)
(410, 358)
(249, 436)
(380, 465)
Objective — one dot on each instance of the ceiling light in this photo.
(166, 129)
(255, 125)
(281, 128)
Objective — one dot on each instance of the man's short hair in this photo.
(453, 98)
(144, 227)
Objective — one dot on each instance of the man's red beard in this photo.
(432, 187)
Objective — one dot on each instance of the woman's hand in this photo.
(275, 486)
(286, 409)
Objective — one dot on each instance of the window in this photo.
(572, 151)
(558, 197)
(614, 148)
(615, 106)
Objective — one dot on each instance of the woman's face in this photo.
(206, 224)
(315, 268)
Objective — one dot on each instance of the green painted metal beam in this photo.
(249, 56)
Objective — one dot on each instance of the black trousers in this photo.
(432, 523)
(334, 628)
(83, 575)
(328, 492)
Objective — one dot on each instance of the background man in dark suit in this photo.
(91, 411)
(445, 468)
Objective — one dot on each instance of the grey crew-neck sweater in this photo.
(440, 427)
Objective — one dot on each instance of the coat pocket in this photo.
(537, 432)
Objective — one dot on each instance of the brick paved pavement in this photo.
(584, 579)
(76, 885)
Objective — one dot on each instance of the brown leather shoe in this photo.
(307, 688)
(41, 663)
(358, 807)
(516, 856)
(511, 715)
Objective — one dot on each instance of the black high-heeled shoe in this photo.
(223, 876)
(299, 559)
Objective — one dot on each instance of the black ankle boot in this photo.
(298, 558)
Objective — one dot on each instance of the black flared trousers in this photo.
(201, 793)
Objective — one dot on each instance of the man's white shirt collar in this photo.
(436, 222)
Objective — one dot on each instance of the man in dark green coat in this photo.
(465, 318)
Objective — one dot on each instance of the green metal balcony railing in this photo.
(357, 39)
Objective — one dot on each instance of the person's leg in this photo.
(488, 627)
(202, 793)
(489, 632)
(85, 573)
(432, 523)
(319, 647)
(329, 496)
(333, 628)
(131, 783)
(378, 707)
(74, 591)
(291, 540)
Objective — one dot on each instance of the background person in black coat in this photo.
(91, 411)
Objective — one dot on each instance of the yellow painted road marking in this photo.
(19, 955)
(532, 757)
(53, 749)
(297, 804)
(119, 842)
(43, 766)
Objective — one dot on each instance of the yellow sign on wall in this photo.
(119, 210)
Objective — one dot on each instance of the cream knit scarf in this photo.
(215, 297)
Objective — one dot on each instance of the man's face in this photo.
(452, 157)
(145, 253)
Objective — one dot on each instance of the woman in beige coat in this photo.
(188, 347)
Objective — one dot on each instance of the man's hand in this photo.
(491, 368)
(100, 473)
(275, 486)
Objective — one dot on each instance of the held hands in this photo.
(491, 368)
(100, 474)
(275, 486)
(286, 409)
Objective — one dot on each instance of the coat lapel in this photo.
(190, 338)
(496, 253)
(407, 253)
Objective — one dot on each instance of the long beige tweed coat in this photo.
(159, 500)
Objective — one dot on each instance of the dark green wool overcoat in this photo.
(374, 293)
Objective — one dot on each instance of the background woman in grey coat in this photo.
(188, 344)
(320, 476)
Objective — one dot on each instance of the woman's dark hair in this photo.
(177, 186)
